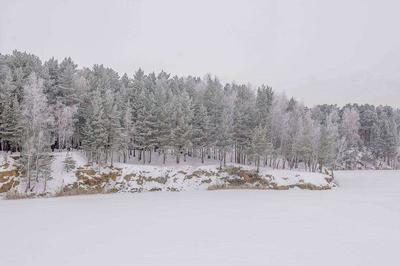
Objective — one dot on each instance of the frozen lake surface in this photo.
(358, 223)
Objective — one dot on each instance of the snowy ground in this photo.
(355, 224)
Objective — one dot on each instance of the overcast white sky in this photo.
(320, 51)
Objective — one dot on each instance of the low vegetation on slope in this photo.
(8, 175)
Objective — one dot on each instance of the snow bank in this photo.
(139, 178)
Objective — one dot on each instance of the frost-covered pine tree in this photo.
(200, 129)
(212, 101)
(146, 124)
(128, 130)
(224, 139)
(182, 129)
(259, 144)
(165, 122)
(264, 101)
(115, 132)
(69, 163)
(243, 122)
(97, 125)
(10, 116)
(66, 93)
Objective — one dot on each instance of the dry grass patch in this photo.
(160, 179)
(7, 186)
(5, 174)
(242, 186)
(75, 191)
(15, 195)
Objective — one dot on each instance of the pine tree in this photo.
(259, 144)
(224, 140)
(51, 75)
(213, 103)
(182, 116)
(69, 163)
(66, 91)
(128, 130)
(200, 129)
(146, 123)
(8, 112)
(264, 106)
(15, 124)
(98, 126)
(243, 122)
(165, 122)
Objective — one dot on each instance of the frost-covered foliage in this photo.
(56, 105)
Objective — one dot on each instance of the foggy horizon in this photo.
(334, 53)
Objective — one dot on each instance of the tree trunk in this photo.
(224, 158)
(37, 166)
(150, 156)
(112, 158)
(234, 152)
(164, 156)
(45, 184)
(28, 186)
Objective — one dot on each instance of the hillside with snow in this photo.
(85, 178)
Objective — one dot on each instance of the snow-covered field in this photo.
(357, 223)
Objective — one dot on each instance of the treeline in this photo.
(56, 105)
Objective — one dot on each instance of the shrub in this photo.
(69, 163)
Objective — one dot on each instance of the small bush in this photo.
(69, 164)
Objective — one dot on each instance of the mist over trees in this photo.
(56, 105)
